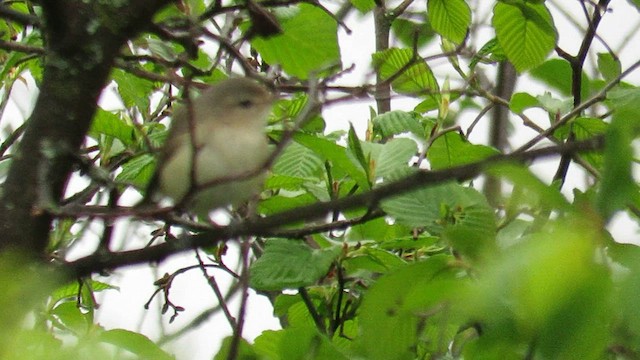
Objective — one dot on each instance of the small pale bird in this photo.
(223, 130)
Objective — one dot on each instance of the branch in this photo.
(19, 17)
(98, 262)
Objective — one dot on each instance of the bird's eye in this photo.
(245, 103)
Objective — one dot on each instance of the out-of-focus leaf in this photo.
(451, 149)
(570, 295)
(135, 343)
(411, 79)
(389, 313)
(309, 42)
(407, 31)
(290, 264)
(556, 73)
(609, 66)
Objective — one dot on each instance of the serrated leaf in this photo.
(393, 160)
(335, 154)
(309, 42)
(491, 51)
(161, 49)
(415, 79)
(276, 181)
(397, 122)
(441, 207)
(138, 171)
(290, 264)
(378, 230)
(525, 31)
(389, 312)
(374, 260)
(450, 18)
(451, 149)
(133, 90)
(298, 161)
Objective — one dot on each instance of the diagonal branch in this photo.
(98, 262)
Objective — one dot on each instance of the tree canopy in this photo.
(426, 236)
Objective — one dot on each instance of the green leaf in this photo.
(609, 66)
(377, 230)
(244, 350)
(525, 31)
(433, 103)
(617, 186)
(444, 207)
(279, 203)
(452, 149)
(133, 90)
(276, 181)
(309, 42)
(522, 101)
(299, 342)
(585, 128)
(267, 343)
(398, 122)
(290, 264)
(553, 105)
(138, 171)
(391, 310)
(135, 343)
(535, 191)
(364, 6)
(355, 149)
(373, 260)
(624, 98)
(491, 51)
(110, 124)
(406, 31)
(409, 79)
(450, 18)
(69, 316)
(557, 74)
(393, 160)
(536, 292)
(335, 154)
(298, 161)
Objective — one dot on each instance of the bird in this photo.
(216, 148)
